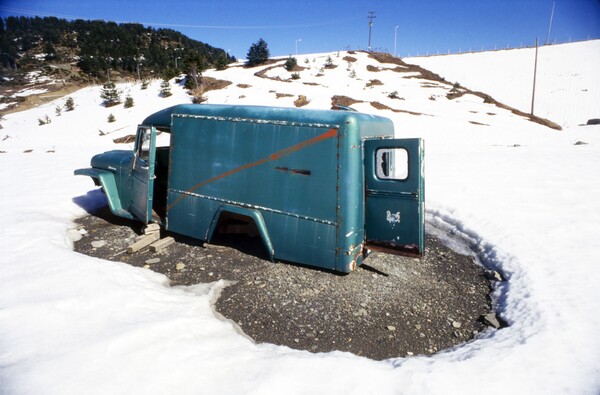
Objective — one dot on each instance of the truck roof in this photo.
(369, 125)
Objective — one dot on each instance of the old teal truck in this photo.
(320, 187)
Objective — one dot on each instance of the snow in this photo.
(29, 92)
(525, 197)
(567, 82)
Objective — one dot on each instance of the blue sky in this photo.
(311, 26)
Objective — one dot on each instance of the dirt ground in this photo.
(391, 306)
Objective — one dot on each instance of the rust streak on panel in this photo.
(275, 156)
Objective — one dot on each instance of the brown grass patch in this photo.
(265, 63)
(455, 95)
(281, 95)
(381, 106)
(213, 84)
(130, 138)
(301, 101)
(373, 69)
(244, 86)
(263, 74)
(23, 103)
(343, 101)
(374, 83)
(350, 59)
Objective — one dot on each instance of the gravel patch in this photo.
(391, 306)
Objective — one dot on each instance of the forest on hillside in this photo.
(99, 48)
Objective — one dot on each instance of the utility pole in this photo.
(550, 24)
(534, 75)
(371, 16)
(395, 36)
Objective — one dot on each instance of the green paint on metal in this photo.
(299, 175)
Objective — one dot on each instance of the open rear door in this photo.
(395, 196)
(142, 174)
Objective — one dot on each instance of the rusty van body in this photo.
(319, 187)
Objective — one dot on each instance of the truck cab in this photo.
(319, 187)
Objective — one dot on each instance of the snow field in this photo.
(525, 196)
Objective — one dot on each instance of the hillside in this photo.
(524, 196)
(567, 83)
(55, 54)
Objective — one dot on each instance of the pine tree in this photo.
(110, 94)
(165, 89)
(196, 64)
(221, 63)
(128, 102)
(258, 53)
(69, 104)
(290, 63)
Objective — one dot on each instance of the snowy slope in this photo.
(526, 197)
(567, 83)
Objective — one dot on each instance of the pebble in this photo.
(391, 328)
(361, 312)
(98, 243)
(179, 266)
(456, 324)
(494, 275)
(491, 320)
(152, 261)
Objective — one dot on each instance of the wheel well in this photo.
(240, 227)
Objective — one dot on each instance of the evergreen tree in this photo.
(222, 61)
(128, 102)
(195, 66)
(258, 53)
(165, 89)
(290, 63)
(50, 51)
(110, 94)
(98, 45)
(69, 104)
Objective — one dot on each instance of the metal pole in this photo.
(297, 45)
(395, 36)
(550, 24)
(534, 75)
(371, 16)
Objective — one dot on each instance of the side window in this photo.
(143, 144)
(391, 164)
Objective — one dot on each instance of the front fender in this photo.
(106, 180)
